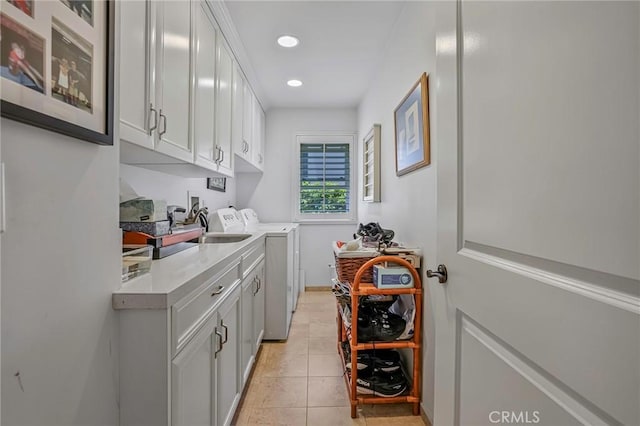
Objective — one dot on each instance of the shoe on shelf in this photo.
(386, 360)
(378, 325)
(383, 384)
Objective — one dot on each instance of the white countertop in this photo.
(177, 275)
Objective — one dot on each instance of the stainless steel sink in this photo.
(217, 238)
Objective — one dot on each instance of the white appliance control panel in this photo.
(250, 219)
(226, 220)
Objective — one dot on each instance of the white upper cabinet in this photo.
(224, 77)
(205, 90)
(174, 77)
(258, 137)
(185, 105)
(247, 121)
(250, 147)
(237, 119)
(138, 111)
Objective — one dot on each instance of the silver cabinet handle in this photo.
(219, 290)
(222, 155)
(164, 127)
(155, 119)
(255, 281)
(226, 332)
(217, 154)
(218, 349)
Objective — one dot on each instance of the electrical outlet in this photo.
(194, 198)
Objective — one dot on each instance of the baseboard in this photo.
(424, 416)
(318, 288)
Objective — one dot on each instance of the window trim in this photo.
(349, 138)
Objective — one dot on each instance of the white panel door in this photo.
(224, 77)
(259, 307)
(538, 213)
(247, 119)
(204, 112)
(193, 378)
(239, 145)
(249, 287)
(138, 109)
(175, 80)
(228, 382)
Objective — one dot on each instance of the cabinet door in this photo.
(263, 137)
(239, 145)
(138, 111)
(174, 79)
(224, 77)
(193, 376)
(227, 378)
(249, 286)
(204, 112)
(247, 119)
(257, 156)
(258, 308)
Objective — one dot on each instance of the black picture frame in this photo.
(35, 118)
(217, 184)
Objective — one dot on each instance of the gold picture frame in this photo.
(411, 122)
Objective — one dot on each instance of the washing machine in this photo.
(282, 272)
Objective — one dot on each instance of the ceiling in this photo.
(340, 46)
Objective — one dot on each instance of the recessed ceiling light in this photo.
(288, 41)
(294, 83)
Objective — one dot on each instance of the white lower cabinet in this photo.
(226, 358)
(186, 364)
(246, 345)
(206, 387)
(193, 379)
(258, 309)
(252, 310)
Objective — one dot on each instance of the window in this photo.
(324, 181)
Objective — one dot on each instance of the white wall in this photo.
(173, 189)
(270, 194)
(408, 202)
(60, 264)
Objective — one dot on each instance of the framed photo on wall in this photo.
(217, 184)
(411, 119)
(57, 66)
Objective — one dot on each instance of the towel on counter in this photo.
(353, 249)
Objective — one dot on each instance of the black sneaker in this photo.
(383, 384)
(386, 360)
(379, 325)
(363, 361)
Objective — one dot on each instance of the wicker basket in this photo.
(346, 267)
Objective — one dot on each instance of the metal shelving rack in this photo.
(358, 289)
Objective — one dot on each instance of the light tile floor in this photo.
(299, 382)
